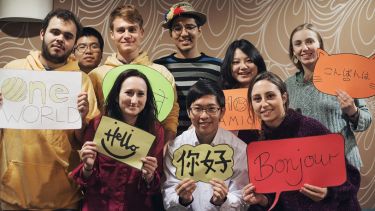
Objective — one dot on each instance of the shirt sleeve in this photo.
(364, 119)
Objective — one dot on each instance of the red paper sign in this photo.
(285, 165)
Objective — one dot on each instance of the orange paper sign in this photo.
(237, 116)
(349, 72)
(285, 165)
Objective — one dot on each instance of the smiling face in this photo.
(58, 40)
(127, 36)
(205, 122)
(243, 69)
(88, 53)
(268, 103)
(305, 44)
(186, 38)
(132, 98)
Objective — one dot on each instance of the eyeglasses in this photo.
(197, 111)
(94, 47)
(179, 27)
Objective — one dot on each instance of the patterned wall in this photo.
(346, 27)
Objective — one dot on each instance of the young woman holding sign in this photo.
(341, 113)
(242, 62)
(268, 99)
(109, 184)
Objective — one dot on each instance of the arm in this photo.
(170, 197)
(153, 165)
(83, 108)
(355, 111)
(171, 122)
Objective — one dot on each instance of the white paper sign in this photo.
(40, 99)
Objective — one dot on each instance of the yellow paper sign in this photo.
(203, 162)
(123, 142)
(237, 115)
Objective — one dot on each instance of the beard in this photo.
(54, 58)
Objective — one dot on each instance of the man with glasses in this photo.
(188, 64)
(206, 106)
(89, 49)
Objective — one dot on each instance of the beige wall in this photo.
(346, 27)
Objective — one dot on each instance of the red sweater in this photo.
(116, 186)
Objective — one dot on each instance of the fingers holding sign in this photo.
(251, 197)
(149, 166)
(83, 105)
(314, 192)
(1, 99)
(185, 190)
(346, 103)
(220, 191)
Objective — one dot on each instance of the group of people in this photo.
(40, 169)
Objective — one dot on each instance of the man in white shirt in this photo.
(206, 106)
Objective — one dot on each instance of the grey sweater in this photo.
(326, 109)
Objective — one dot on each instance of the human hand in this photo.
(314, 192)
(346, 103)
(1, 99)
(83, 105)
(148, 169)
(88, 155)
(220, 191)
(185, 190)
(251, 197)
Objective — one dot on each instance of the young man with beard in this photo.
(89, 49)
(188, 65)
(126, 30)
(34, 163)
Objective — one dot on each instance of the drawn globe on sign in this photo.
(14, 89)
(240, 104)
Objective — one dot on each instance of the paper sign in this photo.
(237, 115)
(40, 99)
(123, 142)
(203, 162)
(349, 72)
(285, 165)
(161, 87)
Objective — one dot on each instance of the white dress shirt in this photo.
(203, 193)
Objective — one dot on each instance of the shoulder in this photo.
(229, 138)
(210, 59)
(313, 127)
(165, 59)
(18, 63)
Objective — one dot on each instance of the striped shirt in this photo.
(186, 73)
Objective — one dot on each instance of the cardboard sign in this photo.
(349, 72)
(237, 115)
(285, 165)
(123, 142)
(203, 162)
(161, 87)
(40, 99)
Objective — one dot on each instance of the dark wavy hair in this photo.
(310, 27)
(147, 117)
(273, 78)
(64, 14)
(227, 80)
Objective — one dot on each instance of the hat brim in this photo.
(161, 87)
(202, 18)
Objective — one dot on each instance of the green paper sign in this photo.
(161, 87)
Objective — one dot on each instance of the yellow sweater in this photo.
(97, 76)
(34, 163)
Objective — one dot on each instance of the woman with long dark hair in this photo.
(107, 183)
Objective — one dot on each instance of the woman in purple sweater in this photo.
(268, 98)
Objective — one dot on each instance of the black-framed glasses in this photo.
(197, 111)
(179, 27)
(94, 47)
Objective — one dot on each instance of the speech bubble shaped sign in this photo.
(123, 142)
(161, 87)
(349, 72)
(285, 165)
(203, 162)
(237, 115)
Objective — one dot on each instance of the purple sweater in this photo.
(343, 197)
